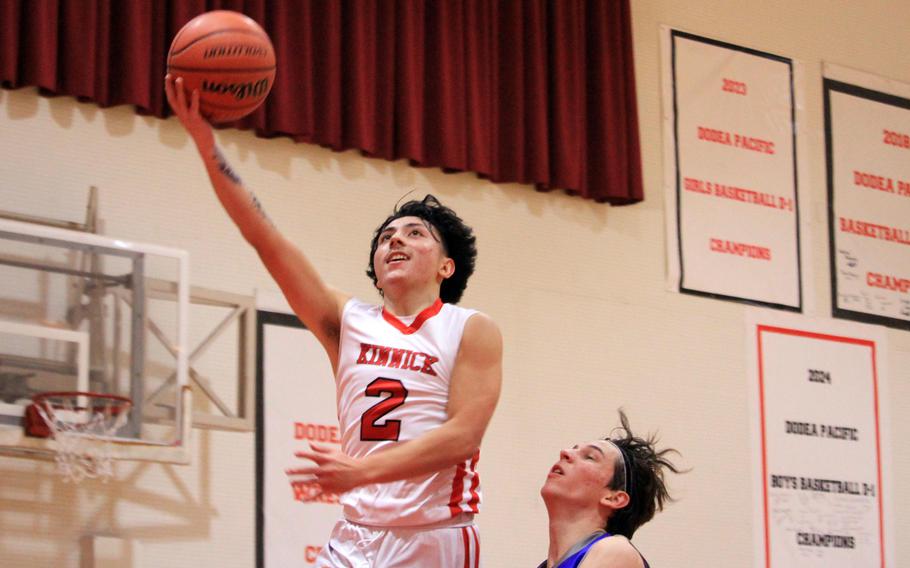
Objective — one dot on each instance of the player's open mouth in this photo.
(557, 470)
(396, 257)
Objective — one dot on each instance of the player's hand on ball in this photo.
(335, 472)
(188, 112)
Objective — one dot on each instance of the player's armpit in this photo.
(317, 304)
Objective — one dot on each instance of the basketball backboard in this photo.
(76, 313)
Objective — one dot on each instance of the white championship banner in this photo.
(819, 441)
(867, 135)
(295, 405)
(730, 138)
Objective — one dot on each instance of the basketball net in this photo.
(82, 425)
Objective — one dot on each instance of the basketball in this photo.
(228, 58)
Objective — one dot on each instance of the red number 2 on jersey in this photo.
(370, 429)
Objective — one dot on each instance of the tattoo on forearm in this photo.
(226, 168)
(259, 208)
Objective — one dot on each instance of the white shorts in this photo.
(359, 546)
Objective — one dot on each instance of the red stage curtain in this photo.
(530, 91)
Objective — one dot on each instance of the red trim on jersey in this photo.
(467, 547)
(418, 321)
(457, 490)
(456, 501)
(475, 498)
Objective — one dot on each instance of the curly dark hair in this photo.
(458, 242)
(645, 486)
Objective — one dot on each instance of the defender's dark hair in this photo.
(643, 481)
(458, 242)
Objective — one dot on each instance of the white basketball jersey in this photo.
(393, 386)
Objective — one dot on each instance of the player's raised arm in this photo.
(315, 303)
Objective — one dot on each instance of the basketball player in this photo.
(417, 378)
(598, 494)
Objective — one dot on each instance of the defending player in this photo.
(417, 378)
(598, 494)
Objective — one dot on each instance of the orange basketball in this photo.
(229, 58)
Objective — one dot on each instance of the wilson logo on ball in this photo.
(239, 90)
